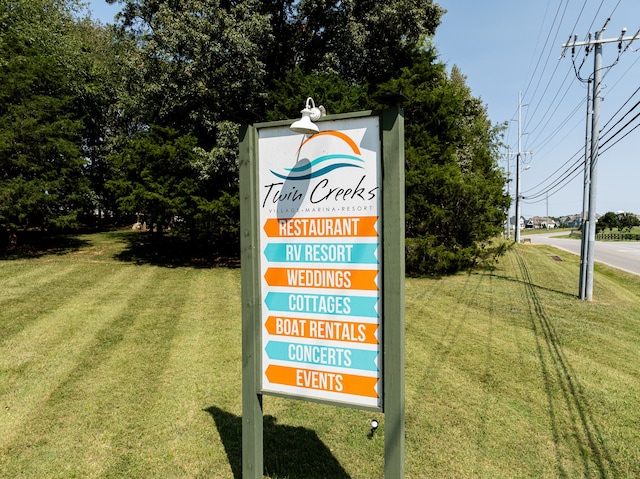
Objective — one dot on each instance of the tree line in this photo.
(624, 222)
(103, 125)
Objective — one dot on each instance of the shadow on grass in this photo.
(573, 425)
(176, 251)
(532, 285)
(289, 452)
(37, 245)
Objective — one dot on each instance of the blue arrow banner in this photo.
(324, 355)
(364, 306)
(345, 253)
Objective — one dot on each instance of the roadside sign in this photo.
(320, 262)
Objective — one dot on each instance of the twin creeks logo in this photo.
(320, 263)
(328, 168)
(326, 163)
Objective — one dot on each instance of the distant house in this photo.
(571, 221)
(523, 221)
(540, 222)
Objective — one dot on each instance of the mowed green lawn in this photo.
(114, 364)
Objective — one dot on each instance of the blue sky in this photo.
(101, 10)
(505, 47)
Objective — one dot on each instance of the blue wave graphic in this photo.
(316, 174)
(297, 173)
(322, 159)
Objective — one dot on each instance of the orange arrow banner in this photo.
(330, 227)
(347, 331)
(358, 279)
(323, 380)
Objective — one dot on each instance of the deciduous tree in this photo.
(627, 221)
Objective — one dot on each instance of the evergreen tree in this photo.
(41, 183)
(96, 73)
(362, 41)
(338, 96)
(158, 179)
(455, 202)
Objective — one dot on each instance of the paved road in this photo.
(623, 255)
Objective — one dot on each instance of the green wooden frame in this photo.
(393, 271)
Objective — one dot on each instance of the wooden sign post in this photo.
(322, 249)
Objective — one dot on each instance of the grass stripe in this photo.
(37, 362)
(204, 354)
(111, 382)
(25, 294)
(136, 372)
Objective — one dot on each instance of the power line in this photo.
(620, 139)
(526, 90)
(586, 269)
(548, 130)
(554, 99)
(550, 192)
(560, 180)
(556, 131)
(620, 109)
(552, 103)
(619, 131)
(620, 120)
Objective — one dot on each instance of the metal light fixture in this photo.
(309, 114)
(374, 426)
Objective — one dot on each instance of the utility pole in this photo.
(582, 292)
(586, 282)
(509, 193)
(519, 154)
(547, 222)
(517, 235)
(593, 169)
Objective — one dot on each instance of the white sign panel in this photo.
(320, 248)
